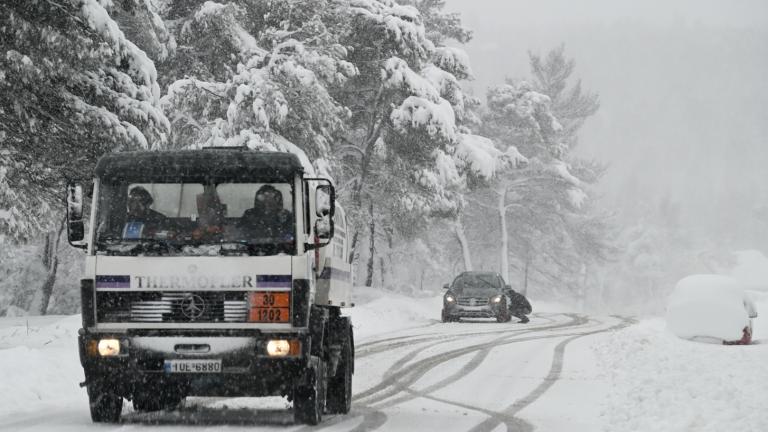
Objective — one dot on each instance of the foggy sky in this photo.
(683, 96)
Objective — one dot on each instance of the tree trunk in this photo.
(383, 272)
(51, 262)
(525, 277)
(353, 246)
(462, 238)
(504, 236)
(372, 248)
(372, 135)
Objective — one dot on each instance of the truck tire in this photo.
(309, 396)
(339, 395)
(105, 407)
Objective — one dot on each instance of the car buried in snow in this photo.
(212, 272)
(711, 308)
(476, 295)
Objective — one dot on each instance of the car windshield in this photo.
(195, 219)
(477, 284)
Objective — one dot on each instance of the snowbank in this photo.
(377, 312)
(707, 306)
(658, 382)
(39, 361)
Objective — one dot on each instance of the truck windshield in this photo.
(477, 285)
(195, 219)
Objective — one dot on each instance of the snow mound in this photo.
(708, 306)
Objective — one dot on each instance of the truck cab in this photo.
(214, 272)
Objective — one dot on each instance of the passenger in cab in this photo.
(267, 218)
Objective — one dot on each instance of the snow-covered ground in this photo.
(659, 382)
(560, 372)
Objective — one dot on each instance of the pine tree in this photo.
(72, 87)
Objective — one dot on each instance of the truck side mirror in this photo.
(324, 209)
(75, 224)
(446, 286)
(507, 287)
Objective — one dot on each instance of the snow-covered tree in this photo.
(544, 210)
(73, 87)
(257, 74)
(405, 134)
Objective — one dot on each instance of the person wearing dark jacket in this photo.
(142, 221)
(518, 305)
(267, 218)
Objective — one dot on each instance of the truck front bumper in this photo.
(246, 368)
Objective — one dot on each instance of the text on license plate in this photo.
(192, 366)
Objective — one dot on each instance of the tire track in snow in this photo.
(382, 345)
(399, 379)
(512, 422)
(547, 382)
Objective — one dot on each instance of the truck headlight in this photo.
(283, 348)
(449, 298)
(109, 347)
(497, 299)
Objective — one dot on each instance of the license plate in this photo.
(192, 366)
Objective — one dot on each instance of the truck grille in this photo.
(468, 301)
(172, 306)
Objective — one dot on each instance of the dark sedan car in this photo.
(476, 295)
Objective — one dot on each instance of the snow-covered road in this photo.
(476, 376)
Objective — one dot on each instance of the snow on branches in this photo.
(398, 25)
(74, 87)
(453, 60)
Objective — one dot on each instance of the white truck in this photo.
(213, 272)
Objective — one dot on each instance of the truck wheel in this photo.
(309, 396)
(444, 317)
(339, 399)
(105, 407)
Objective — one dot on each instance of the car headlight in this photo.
(109, 347)
(449, 298)
(497, 299)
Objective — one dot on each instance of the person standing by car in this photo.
(519, 306)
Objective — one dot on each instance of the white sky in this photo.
(682, 85)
